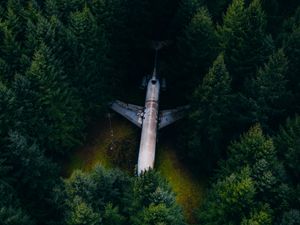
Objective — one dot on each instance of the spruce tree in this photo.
(185, 12)
(292, 51)
(57, 103)
(7, 107)
(257, 152)
(287, 143)
(269, 90)
(244, 40)
(196, 49)
(11, 210)
(87, 66)
(229, 200)
(210, 114)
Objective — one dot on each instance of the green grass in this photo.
(98, 145)
(188, 188)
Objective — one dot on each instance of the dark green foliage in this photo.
(230, 200)
(292, 50)
(10, 211)
(123, 153)
(7, 101)
(258, 153)
(255, 158)
(211, 107)
(150, 187)
(158, 214)
(196, 49)
(62, 60)
(87, 63)
(287, 143)
(184, 14)
(112, 198)
(57, 102)
(291, 218)
(269, 91)
(244, 40)
(217, 7)
(154, 201)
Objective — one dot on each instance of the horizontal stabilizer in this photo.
(168, 117)
(133, 113)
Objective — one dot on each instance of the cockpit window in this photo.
(153, 81)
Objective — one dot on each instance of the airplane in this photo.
(149, 118)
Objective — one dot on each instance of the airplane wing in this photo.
(133, 113)
(168, 117)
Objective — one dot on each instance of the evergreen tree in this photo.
(11, 211)
(157, 214)
(56, 102)
(229, 200)
(87, 66)
(259, 217)
(257, 152)
(196, 50)
(210, 116)
(154, 201)
(185, 12)
(10, 53)
(97, 191)
(270, 92)
(7, 106)
(150, 187)
(217, 7)
(291, 218)
(82, 213)
(292, 51)
(244, 40)
(112, 215)
(287, 143)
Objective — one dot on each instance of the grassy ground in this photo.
(188, 188)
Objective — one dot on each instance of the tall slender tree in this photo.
(60, 107)
(210, 116)
(196, 49)
(270, 92)
(244, 40)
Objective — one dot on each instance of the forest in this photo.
(235, 62)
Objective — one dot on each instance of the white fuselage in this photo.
(149, 126)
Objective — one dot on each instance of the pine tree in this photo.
(210, 116)
(287, 143)
(11, 53)
(7, 107)
(259, 216)
(244, 40)
(269, 90)
(88, 62)
(56, 102)
(229, 199)
(154, 201)
(112, 215)
(196, 49)
(11, 211)
(217, 8)
(158, 214)
(185, 12)
(292, 51)
(257, 152)
(291, 218)
(82, 214)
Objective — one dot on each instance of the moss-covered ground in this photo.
(189, 188)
